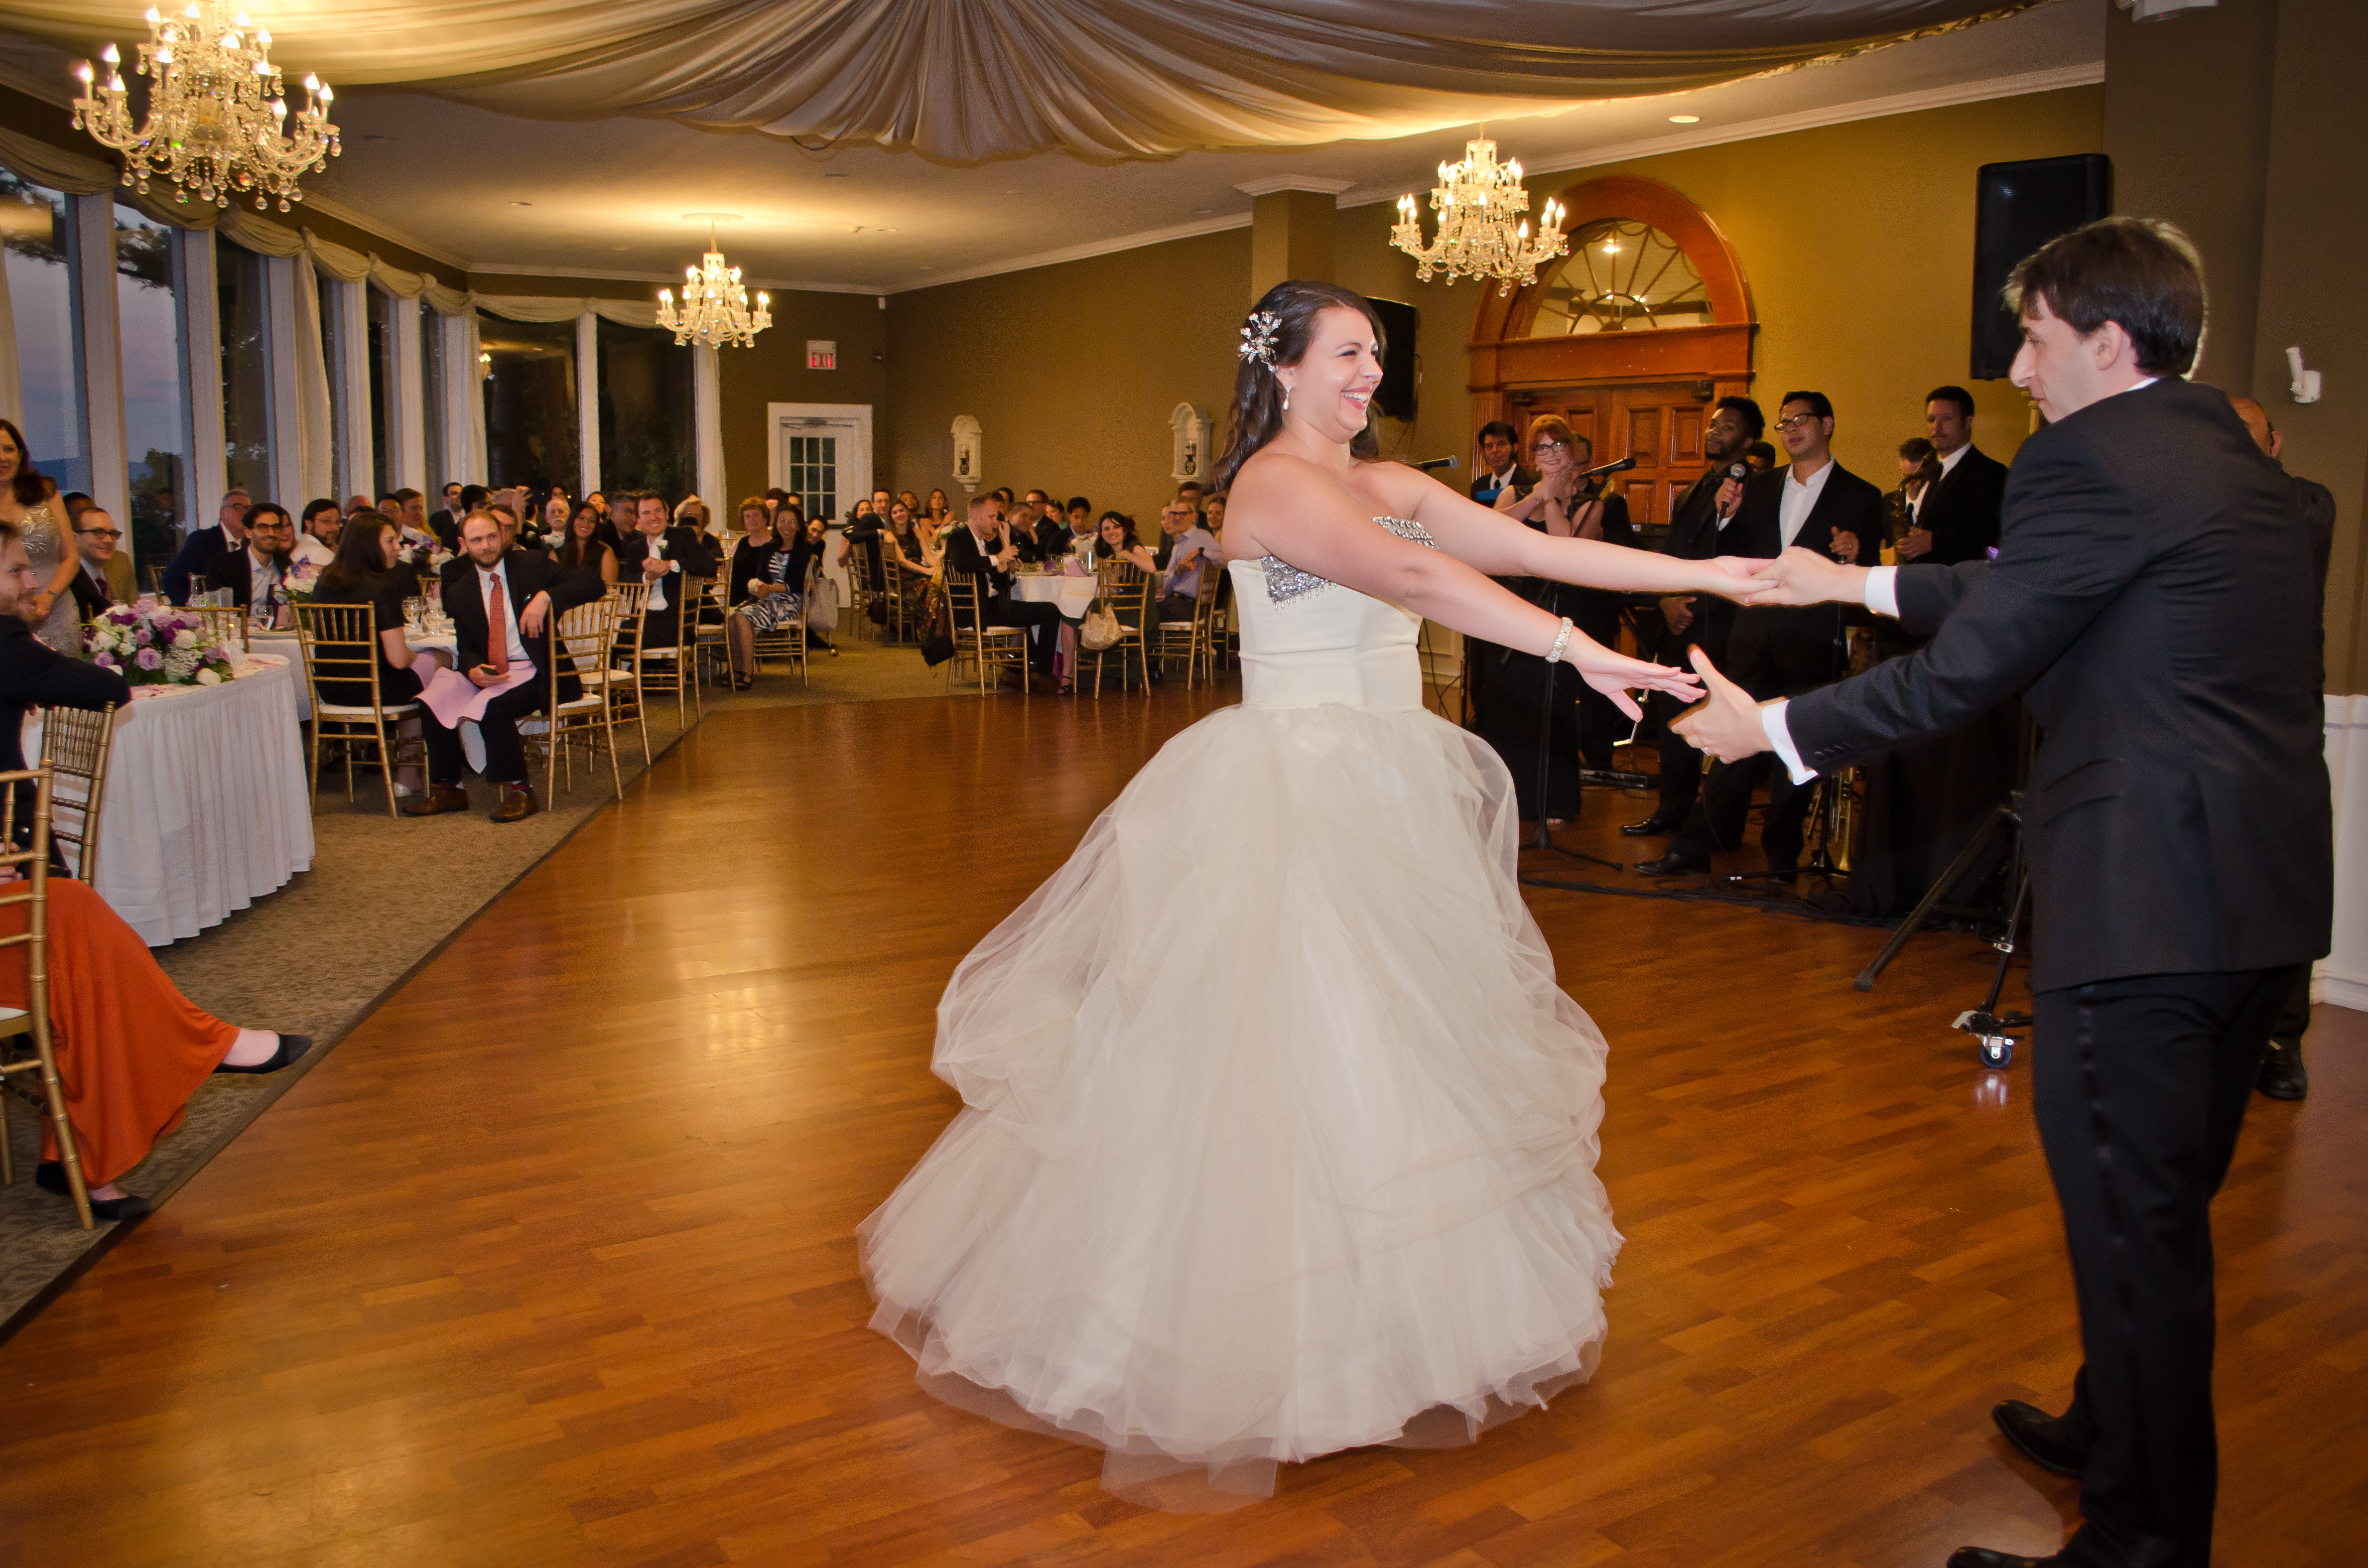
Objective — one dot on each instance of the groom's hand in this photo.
(1725, 722)
(1803, 577)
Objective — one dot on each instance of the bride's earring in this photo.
(1286, 397)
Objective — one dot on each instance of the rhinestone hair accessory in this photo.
(1258, 337)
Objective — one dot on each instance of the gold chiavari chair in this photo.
(74, 745)
(990, 648)
(581, 642)
(1188, 639)
(708, 645)
(632, 601)
(341, 651)
(664, 664)
(858, 591)
(25, 1048)
(225, 623)
(788, 640)
(1126, 594)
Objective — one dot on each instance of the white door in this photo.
(822, 455)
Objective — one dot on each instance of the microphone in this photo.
(1622, 466)
(1448, 463)
(1737, 472)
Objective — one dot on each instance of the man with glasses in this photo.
(256, 573)
(96, 538)
(197, 552)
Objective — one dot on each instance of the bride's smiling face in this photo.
(1332, 385)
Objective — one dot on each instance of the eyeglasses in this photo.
(1795, 421)
(1554, 446)
(101, 533)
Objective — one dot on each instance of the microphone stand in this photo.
(1543, 839)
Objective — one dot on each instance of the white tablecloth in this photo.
(206, 809)
(1074, 595)
(283, 646)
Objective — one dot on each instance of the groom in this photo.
(2177, 823)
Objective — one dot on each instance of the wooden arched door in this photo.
(1630, 337)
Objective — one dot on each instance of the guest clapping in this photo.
(671, 560)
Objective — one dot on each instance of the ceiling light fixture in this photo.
(1481, 231)
(218, 118)
(1685, 120)
(714, 306)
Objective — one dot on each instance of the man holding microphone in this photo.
(2179, 828)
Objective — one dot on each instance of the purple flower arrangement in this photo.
(153, 644)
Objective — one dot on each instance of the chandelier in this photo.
(1481, 230)
(217, 112)
(714, 306)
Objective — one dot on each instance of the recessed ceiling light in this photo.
(883, 231)
(1685, 120)
(521, 204)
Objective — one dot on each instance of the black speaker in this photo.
(2017, 208)
(1395, 396)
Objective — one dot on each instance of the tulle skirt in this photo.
(1279, 1137)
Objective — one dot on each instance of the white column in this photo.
(102, 355)
(707, 430)
(481, 459)
(407, 401)
(351, 301)
(587, 403)
(464, 451)
(201, 370)
(2343, 973)
(281, 319)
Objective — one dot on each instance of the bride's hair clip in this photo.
(1258, 337)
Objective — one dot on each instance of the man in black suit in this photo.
(503, 603)
(674, 561)
(1815, 504)
(255, 572)
(2144, 601)
(1956, 517)
(982, 549)
(445, 524)
(187, 567)
(96, 538)
(1698, 528)
(1499, 444)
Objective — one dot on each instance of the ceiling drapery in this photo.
(967, 81)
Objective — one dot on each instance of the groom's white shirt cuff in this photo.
(1882, 587)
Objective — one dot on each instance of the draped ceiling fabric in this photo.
(968, 81)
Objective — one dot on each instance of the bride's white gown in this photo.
(1279, 1137)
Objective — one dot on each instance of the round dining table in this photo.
(206, 807)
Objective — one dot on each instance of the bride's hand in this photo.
(1615, 674)
(1737, 577)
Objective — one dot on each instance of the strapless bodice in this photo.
(1307, 642)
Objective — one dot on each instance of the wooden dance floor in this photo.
(551, 1262)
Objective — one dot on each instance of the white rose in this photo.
(185, 638)
(207, 678)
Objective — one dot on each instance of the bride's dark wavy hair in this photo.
(1257, 416)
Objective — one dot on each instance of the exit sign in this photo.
(822, 354)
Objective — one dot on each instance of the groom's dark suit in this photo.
(2179, 840)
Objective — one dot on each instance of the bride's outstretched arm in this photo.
(1493, 542)
(1285, 507)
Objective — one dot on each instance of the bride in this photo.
(1285, 1145)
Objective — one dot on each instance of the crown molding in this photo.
(1082, 253)
(2084, 74)
(660, 280)
(1268, 185)
(379, 227)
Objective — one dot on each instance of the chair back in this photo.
(962, 605)
(225, 622)
(74, 745)
(29, 863)
(340, 644)
(583, 636)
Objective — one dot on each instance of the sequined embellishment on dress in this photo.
(1285, 582)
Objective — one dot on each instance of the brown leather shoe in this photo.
(442, 797)
(518, 803)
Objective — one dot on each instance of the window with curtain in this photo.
(431, 385)
(246, 373)
(155, 393)
(332, 355)
(646, 441)
(44, 305)
(529, 403)
(377, 307)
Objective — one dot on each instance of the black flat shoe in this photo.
(2042, 1439)
(291, 1048)
(1653, 826)
(2282, 1076)
(50, 1175)
(1673, 864)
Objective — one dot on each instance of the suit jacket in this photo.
(1779, 652)
(2144, 601)
(189, 562)
(233, 570)
(91, 598)
(1524, 480)
(1694, 535)
(1961, 511)
(447, 530)
(529, 573)
(699, 557)
(964, 554)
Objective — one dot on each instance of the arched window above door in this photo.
(1621, 275)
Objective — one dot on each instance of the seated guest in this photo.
(369, 568)
(1212, 516)
(769, 581)
(581, 548)
(557, 514)
(503, 603)
(445, 522)
(1190, 551)
(1051, 524)
(187, 567)
(1500, 471)
(816, 530)
(1079, 515)
(690, 512)
(96, 538)
(255, 572)
(909, 560)
(937, 512)
(673, 561)
(410, 518)
(984, 551)
(317, 532)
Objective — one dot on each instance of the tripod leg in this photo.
(1999, 817)
(2013, 927)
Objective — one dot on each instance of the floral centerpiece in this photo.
(152, 644)
(300, 580)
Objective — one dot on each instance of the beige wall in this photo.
(774, 371)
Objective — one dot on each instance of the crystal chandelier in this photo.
(714, 306)
(217, 112)
(1481, 230)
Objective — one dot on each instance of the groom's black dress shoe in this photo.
(1652, 827)
(2042, 1438)
(50, 1175)
(291, 1047)
(1983, 1557)
(2283, 1075)
(1673, 864)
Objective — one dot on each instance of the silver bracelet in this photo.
(1562, 640)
